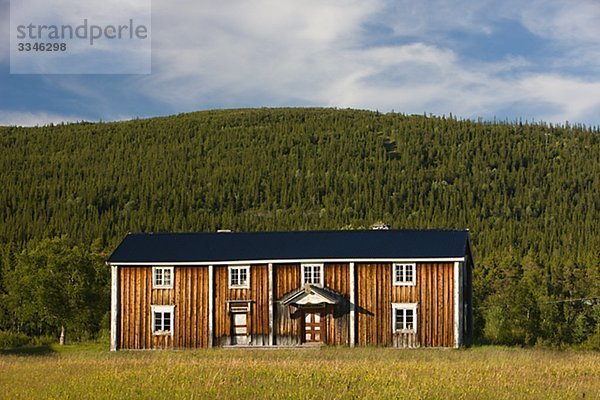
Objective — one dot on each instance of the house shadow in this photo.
(341, 309)
(28, 351)
(361, 310)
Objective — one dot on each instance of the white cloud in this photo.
(286, 53)
(418, 18)
(17, 118)
(433, 80)
(271, 50)
(439, 83)
(573, 28)
(372, 54)
(576, 99)
(570, 22)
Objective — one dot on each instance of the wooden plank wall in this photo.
(337, 278)
(286, 324)
(191, 307)
(435, 310)
(259, 287)
(136, 312)
(373, 304)
(405, 340)
(433, 294)
(190, 297)
(258, 321)
(374, 295)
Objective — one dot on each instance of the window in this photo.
(313, 274)
(162, 320)
(162, 277)
(404, 317)
(404, 274)
(239, 277)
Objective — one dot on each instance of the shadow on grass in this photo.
(28, 351)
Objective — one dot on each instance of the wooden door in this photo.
(240, 328)
(313, 327)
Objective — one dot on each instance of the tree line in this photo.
(529, 193)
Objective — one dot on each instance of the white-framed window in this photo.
(404, 317)
(162, 320)
(239, 277)
(162, 277)
(313, 274)
(404, 274)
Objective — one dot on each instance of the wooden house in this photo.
(394, 288)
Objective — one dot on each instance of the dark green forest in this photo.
(529, 193)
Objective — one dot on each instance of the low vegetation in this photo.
(332, 373)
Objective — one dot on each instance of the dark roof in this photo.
(298, 245)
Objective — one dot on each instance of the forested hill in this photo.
(529, 193)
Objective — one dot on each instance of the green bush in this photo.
(44, 340)
(593, 342)
(10, 340)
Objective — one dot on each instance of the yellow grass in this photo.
(327, 373)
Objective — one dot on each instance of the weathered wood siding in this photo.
(287, 324)
(258, 294)
(374, 294)
(191, 307)
(189, 296)
(373, 303)
(436, 304)
(433, 294)
(337, 278)
(135, 310)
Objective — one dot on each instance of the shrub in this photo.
(593, 342)
(10, 340)
(44, 340)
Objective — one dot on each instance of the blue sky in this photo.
(534, 60)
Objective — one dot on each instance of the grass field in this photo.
(326, 373)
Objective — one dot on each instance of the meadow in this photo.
(333, 373)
